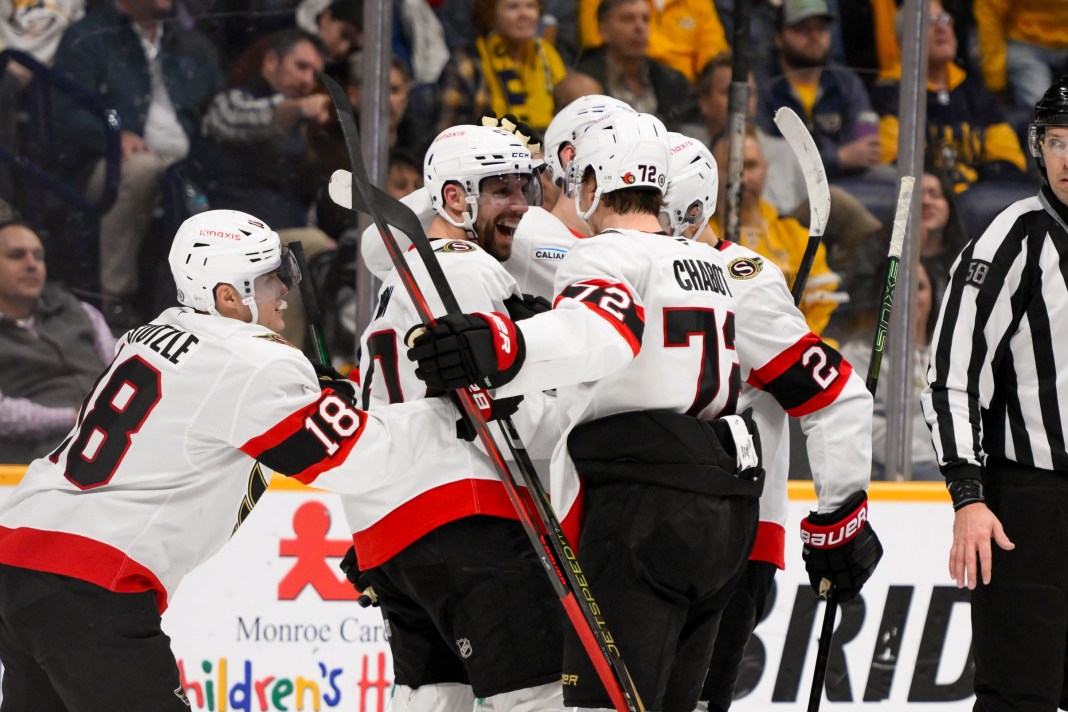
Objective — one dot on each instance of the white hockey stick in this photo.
(797, 135)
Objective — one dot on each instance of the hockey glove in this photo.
(329, 377)
(841, 548)
(484, 349)
(491, 408)
(525, 306)
(358, 579)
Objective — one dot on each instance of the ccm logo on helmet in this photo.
(830, 537)
(219, 233)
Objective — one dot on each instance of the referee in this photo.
(997, 406)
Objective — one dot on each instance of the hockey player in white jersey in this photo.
(640, 344)
(170, 452)
(470, 610)
(542, 238)
(786, 371)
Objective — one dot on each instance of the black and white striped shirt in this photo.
(999, 359)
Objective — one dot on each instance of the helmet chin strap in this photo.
(593, 206)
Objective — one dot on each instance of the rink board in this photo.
(270, 624)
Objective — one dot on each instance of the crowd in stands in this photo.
(219, 102)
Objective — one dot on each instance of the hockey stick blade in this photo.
(797, 135)
(542, 527)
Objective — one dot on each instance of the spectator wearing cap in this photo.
(626, 71)
(510, 70)
(831, 99)
(52, 346)
(683, 34)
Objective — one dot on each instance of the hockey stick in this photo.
(897, 240)
(737, 117)
(542, 526)
(312, 314)
(819, 204)
(797, 135)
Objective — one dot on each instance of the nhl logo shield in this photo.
(463, 645)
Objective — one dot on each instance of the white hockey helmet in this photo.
(624, 150)
(227, 247)
(568, 125)
(693, 184)
(469, 154)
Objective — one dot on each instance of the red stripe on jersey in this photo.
(793, 358)
(770, 544)
(777, 366)
(429, 510)
(572, 521)
(613, 302)
(578, 234)
(78, 557)
(312, 440)
(828, 396)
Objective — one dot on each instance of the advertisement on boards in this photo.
(270, 623)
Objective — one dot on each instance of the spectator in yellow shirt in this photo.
(780, 239)
(1023, 45)
(683, 34)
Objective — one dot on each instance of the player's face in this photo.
(1056, 142)
(22, 266)
(516, 20)
(293, 75)
(934, 207)
(501, 204)
(270, 304)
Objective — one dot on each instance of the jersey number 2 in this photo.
(122, 404)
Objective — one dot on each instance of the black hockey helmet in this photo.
(1051, 110)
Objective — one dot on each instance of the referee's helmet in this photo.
(1051, 110)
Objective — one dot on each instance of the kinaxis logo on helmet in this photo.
(207, 232)
(836, 534)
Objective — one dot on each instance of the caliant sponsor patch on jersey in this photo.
(745, 267)
(456, 246)
(273, 337)
(549, 253)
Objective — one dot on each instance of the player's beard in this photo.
(491, 240)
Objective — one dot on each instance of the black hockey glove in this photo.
(329, 377)
(526, 306)
(492, 409)
(841, 548)
(484, 349)
(358, 579)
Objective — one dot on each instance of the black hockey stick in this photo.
(897, 239)
(312, 314)
(804, 147)
(541, 525)
(797, 135)
(737, 118)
